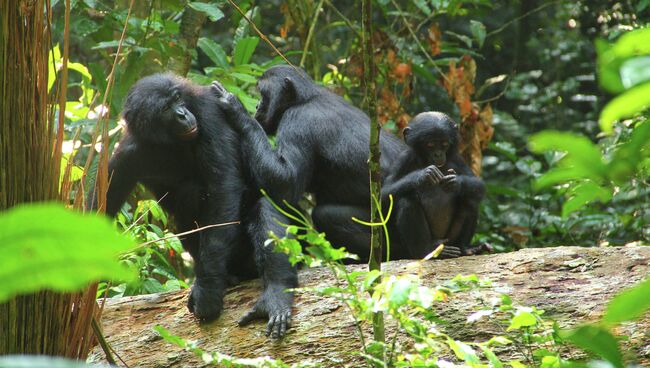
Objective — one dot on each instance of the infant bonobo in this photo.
(436, 195)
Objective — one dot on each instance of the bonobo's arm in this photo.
(469, 184)
(284, 172)
(123, 173)
(406, 176)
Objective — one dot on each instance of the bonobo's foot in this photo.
(206, 300)
(482, 248)
(274, 304)
(226, 100)
(448, 251)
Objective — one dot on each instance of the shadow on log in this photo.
(571, 284)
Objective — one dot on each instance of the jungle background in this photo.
(504, 70)
(550, 96)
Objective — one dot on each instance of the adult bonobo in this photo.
(436, 194)
(179, 146)
(322, 147)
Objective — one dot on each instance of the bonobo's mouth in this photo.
(439, 164)
(190, 134)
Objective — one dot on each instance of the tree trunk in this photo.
(191, 25)
(571, 284)
(45, 322)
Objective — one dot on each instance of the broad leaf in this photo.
(210, 9)
(596, 340)
(633, 101)
(45, 246)
(244, 50)
(214, 51)
(630, 304)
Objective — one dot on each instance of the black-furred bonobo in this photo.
(322, 148)
(179, 146)
(436, 194)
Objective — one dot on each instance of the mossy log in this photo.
(571, 284)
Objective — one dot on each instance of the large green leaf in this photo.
(584, 193)
(628, 104)
(210, 9)
(612, 57)
(44, 246)
(244, 50)
(629, 304)
(214, 51)
(596, 340)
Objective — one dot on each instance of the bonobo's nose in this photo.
(180, 112)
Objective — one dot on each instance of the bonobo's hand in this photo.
(450, 182)
(206, 300)
(432, 175)
(226, 100)
(275, 303)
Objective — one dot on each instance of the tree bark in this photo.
(571, 284)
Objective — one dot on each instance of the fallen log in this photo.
(571, 284)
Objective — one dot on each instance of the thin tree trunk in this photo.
(191, 25)
(45, 322)
(370, 93)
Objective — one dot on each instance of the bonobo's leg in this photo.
(339, 228)
(275, 270)
(463, 226)
(414, 232)
(211, 264)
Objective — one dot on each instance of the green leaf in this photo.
(45, 246)
(214, 51)
(522, 319)
(633, 101)
(629, 304)
(596, 340)
(244, 50)
(478, 31)
(635, 71)
(492, 358)
(210, 9)
(400, 291)
(583, 193)
(612, 57)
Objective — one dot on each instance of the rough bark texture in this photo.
(571, 284)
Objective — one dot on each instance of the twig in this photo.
(141, 216)
(142, 245)
(344, 18)
(262, 35)
(497, 96)
(520, 17)
(310, 33)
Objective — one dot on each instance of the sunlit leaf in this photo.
(478, 31)
(628, 104)
(596, 340)
(584, 193)
(629, 304)
(45, 246)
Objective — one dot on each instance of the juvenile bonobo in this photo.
(436, 195)
(322, 148)
(179, 146)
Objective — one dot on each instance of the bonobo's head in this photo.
(281, 87)
(433, 136)
(156, 110)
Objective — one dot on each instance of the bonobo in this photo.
(322, 148)
(179, 146)
(436, 194)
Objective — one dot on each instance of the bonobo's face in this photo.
(433, 136)
(178, 118)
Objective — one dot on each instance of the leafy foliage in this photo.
(57, 249)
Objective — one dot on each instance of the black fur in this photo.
(436, 194)
(178, 145)
(322, 148)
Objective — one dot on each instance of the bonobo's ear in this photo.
(289, 86)
(405, 131)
